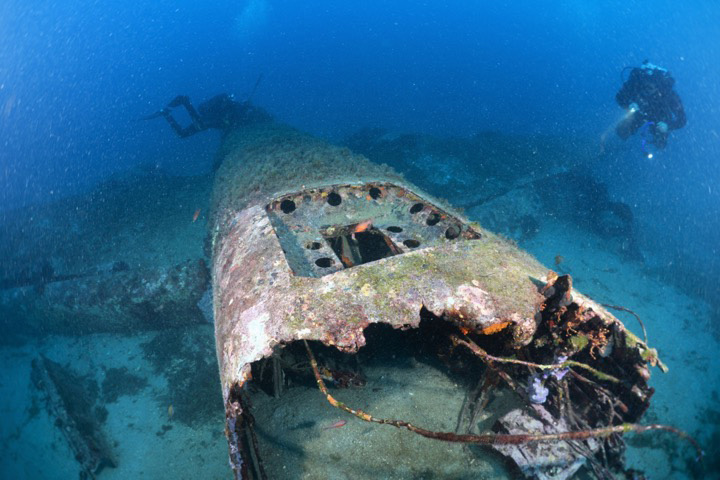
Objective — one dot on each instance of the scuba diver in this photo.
(220, 112)
(653, 107)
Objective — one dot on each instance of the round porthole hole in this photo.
(334, 199)
(287, 206)
(417, 208)
(324, 262)
(433, 219)
(452, 232)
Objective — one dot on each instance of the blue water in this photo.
(75, 76)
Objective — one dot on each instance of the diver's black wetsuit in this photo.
(650, 88)
(220, 112)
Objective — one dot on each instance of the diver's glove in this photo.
(633, 107)
(662, 127)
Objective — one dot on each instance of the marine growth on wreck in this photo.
(324, 262)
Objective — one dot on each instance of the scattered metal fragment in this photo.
(545, 461)
(68, 404)
(112, 259)
(117, 299)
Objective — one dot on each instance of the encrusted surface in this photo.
(264, 161)
(375, 220)
(288, 265)
(260, 303)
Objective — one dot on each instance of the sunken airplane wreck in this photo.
(335, 275)
(314, 246)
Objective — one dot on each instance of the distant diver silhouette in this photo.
(652, 106)
(221, 112)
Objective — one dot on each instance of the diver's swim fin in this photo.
(159, 113)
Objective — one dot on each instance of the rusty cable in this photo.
(496, 438)
(623, 309)
(567, 363)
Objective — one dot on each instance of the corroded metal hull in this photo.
(313, 242)
(261, 302)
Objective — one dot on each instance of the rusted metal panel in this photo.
(262, 301)
(544, 461)
(312, 242)
(288, 224)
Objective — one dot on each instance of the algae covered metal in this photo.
(278, 277)
(312, 242)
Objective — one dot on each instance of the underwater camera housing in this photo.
(367, 330)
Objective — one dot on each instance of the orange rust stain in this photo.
(196, 215)
(494, 328)
(465, 330)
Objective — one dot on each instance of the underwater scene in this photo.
(273, 239)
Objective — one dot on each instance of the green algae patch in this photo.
(579, 342)
(393, 290)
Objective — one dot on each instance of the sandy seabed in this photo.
(150, 443)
